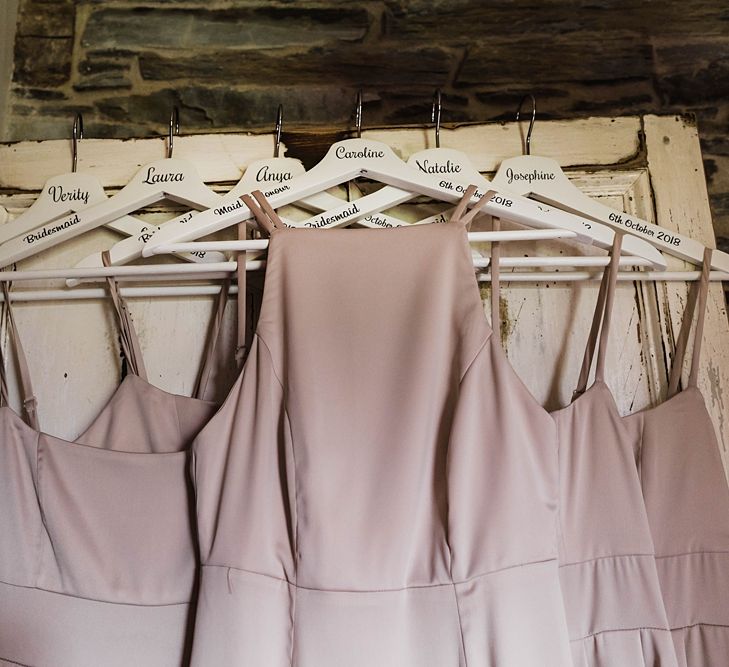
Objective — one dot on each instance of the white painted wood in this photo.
(592, 141)
(73, 348)
(681, 203)
(224, 157)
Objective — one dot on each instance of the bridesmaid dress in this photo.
(608, 572)
(687, 498)
(97, 549)
(379, 489)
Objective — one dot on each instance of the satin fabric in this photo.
(98, 557)
(607, 560)
(379, 488)
(687, 499)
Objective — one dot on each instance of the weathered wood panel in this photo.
(73, 349)
(26, 165)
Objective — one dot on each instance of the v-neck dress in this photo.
(687, 499)
(607, 559)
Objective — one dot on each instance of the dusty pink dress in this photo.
(687, 498)
(608, 570)
(97, 550)
(379, 489)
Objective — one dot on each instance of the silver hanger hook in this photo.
(528, 143)
(279, 125)
(435, 115)
(77, 133)
(174, 130)
(358, 114)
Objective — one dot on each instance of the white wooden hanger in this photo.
(353, 158)
(454, 167)
(69, 193)
(259, 174)
(169, 178)
(542, 179)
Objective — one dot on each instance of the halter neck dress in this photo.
(379, 489)
(97, 552)
(687, 498)
(608, 572)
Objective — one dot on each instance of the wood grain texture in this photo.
(681, 203)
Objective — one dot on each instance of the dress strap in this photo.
(459, 212)
(601, 320)
(261, 218)
(241, 343)
(129, 341)
(221, 301)
(266, 206)
(460, 208)
(496, 281)
(30, 403)
(266, 217)
(697, 295)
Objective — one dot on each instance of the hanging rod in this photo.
(218, 270)
(79, 294)
(262, 244)
(589, 276)
(127, 292)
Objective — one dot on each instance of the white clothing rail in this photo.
(170, 291)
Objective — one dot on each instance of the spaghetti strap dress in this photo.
(687, 498)
(608, 572)
(97, 556)
(379, 489)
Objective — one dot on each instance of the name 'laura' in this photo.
(152, 177)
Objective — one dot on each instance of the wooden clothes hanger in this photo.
(259, 174)
(351, 158)
(456, 169)
(542, 179)
(169, 178)
(69, 193)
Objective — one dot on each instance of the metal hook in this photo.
(77, 133)
(279, 125)
(174, 130)
(531, 122)
(435, 115)
(358, 114)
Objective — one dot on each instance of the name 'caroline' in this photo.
(343, 154)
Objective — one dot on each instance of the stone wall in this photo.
(228, 64)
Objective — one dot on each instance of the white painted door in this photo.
(649, 166)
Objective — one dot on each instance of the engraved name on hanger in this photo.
(59, 194)
(153, 177)
(265, 175)
(343, 154)
(529, 176)
(433, 167)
